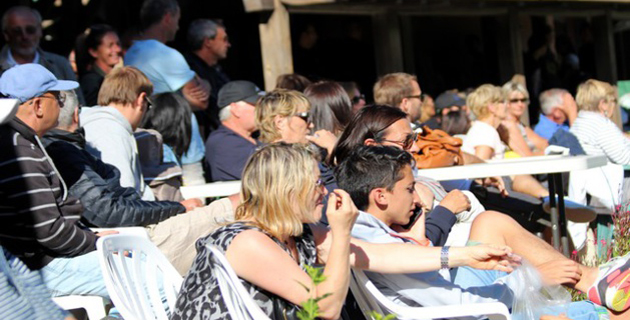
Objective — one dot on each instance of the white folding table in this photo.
(552, 165)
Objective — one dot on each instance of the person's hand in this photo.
(417, 231)
(202, 90)
(323, 139)
(106, 233)
(456, 201)
(341, 212)
(191, 204)
(491, 257)
(560, 272)
(496, 182)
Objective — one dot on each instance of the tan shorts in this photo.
(177, 235)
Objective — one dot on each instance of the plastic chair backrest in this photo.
(238, 301)
(370, 298)
(133, 269)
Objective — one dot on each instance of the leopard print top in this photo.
(200, 296)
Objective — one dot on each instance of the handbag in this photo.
(283, 310)
(437, 149)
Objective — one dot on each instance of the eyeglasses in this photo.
(17, 31)
(406, 143)
(303, 115)
(149, 102)
(61, 98)
(416, 96)
(357, 99)
(319, 183)
(523, 100)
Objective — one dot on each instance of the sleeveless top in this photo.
(200, 296)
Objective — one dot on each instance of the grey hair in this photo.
(70, 104)
(550, 99)
(225, 113)
(20, 9)
(512, 86)
(201, 29)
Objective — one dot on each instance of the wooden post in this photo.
(275, 45)
(606, 63)
(387, 42)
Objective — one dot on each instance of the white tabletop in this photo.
(507, 167)
(211, 190)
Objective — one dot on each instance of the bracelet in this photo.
(444, 257)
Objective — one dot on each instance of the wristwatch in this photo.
(444, 257)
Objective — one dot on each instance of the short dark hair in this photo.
(171, 117)
(292, 81)
(369, 123)
(368, 168)
(152, 11)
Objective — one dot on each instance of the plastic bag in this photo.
(533, 300)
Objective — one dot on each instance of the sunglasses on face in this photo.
(149, 102)
(406, 143)
(16, 31)
(304, 116)
(523, 100)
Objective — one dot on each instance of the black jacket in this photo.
(97, 185)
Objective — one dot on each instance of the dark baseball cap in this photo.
(447, 100)
(239, 90)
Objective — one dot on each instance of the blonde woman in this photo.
(597, 134)
(488, 104)
(274, 238)
(522, 140)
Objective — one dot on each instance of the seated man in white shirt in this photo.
(381, 184)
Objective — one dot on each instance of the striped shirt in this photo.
(38, 220)
(600, 136)
(23, 294)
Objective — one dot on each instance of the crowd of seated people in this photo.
(326, 179)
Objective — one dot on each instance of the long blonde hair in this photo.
(277, 189)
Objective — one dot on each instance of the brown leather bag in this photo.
(437, 149)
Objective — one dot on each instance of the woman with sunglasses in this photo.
(522, 140)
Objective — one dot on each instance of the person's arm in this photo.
(260, 261)
(538, 141)
(484, 152)
(395, 257)
(471, 158)
(197, 93)
(96, 184)
(516, 141)
(615, 145)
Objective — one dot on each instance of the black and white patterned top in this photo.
(200, 296)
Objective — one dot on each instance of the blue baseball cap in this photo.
(27, 81)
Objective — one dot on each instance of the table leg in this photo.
(555, 228)
(562, 220)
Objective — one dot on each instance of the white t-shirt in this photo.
(483, 134)
(164, 66)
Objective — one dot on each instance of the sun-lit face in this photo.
(295, 127)
(108, 52)
(402, 199)
(517, 104)
(220, 44)
(399, 134)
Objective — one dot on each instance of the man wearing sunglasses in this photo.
(22, 31)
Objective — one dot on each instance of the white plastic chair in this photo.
(94, 306)
(369, 298)
(238, 301)
(132, 269)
